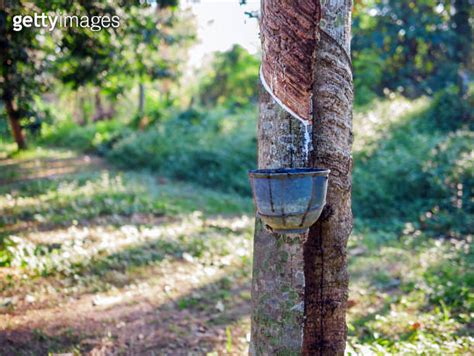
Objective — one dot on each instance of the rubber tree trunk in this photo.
(14, 119)
(300, 282)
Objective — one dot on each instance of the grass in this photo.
(101, 240)
(101, 193)
(412, 296)
(213, 148)
(408, 170)
(95, 259)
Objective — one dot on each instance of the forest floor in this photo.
(99, 261)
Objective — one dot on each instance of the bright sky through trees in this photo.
(221, 24)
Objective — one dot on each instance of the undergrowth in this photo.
(410, 255)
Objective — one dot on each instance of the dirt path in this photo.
(15, 171)
(130, 283)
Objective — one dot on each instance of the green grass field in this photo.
(94, 258)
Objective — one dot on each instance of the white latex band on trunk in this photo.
(306, 123)
(286, 108)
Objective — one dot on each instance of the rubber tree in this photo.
(300, 281)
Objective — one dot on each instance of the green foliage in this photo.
(22, 61)
(415, 173)
(4, 129)
(411, 294)
(214, 149)
(451, 110)
(231, 79)
(34, 58)
(98, 56)
(413, 48)
(450, 168)
(368, 69)
(95, 137)
(450, 283)
(107, 59)
(148, 33)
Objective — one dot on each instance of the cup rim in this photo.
(288, 172)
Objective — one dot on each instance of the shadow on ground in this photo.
(201, 320)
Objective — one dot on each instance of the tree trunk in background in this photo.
(464, 37)
(141, 98)
(78, 114)
(463, 30)
(300, 282)
(99, 108)
(14, 119)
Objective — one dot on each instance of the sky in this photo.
(221, 24)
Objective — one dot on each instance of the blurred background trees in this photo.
(129, 96)
(410, 47)
(230, 79)
(399, 47)
(146, 46)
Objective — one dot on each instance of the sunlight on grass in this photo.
(36, 152)
(373, 125)
(106, 245)
(135, 256)
(397, 295)
(87, 196)
(6, 149)
(70, 250)
(191, 263)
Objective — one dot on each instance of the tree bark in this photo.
(14, 119)
(278, 285)
(325, 251)
(8, 94)
(300, 282)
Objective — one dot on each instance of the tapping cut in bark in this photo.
(290, 31)
(300, 284)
